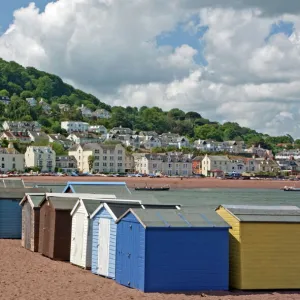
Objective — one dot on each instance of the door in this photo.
(78, 239)
(46, 233)
(103, 246)
(130, 256)
(27, 226)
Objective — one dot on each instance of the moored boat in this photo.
(291, 189)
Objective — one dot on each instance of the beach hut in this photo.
(81, 238)
(31, 220)
(104, 236)
(169, 250)
(119, 189)
(55, 227)
(11, 212)
(264, 246)
(51, 187)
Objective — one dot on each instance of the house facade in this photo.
(166, 164)
(67, 164)
(20, 126)
(64, 107)
(107, 158)
(100, 129)
(5, 100)
(101, 114)
(11, 159)
(86, 112)
(197, 165)
(83, 137)
(61, 139)
(73, 126)
(41, 157)
(214, 164)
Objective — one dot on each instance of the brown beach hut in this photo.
(31, 220)
(55, 227)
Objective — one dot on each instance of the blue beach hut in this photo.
(169, 250)
(104, 231)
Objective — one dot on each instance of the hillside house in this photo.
(31, 101)
(83, 137)
(73, 126)
(20, 126)
(99, 129)
(150, 142)
(5, 100)
(45, 106)
(86, 112)
(101, 114)
(21, 136)
(121, 131)
(37, 137)
(64, 107)
(60, 139)
(11, 159)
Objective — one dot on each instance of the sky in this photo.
(234, 60)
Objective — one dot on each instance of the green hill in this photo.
(20, 83)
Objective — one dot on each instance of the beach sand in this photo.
(30, 276)
(174, 183)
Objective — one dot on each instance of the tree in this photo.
(192, 115)
(4, 93)
(91, 160)
(59, 149)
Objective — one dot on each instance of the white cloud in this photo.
(109, 47)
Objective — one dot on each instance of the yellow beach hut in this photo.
(264, 246)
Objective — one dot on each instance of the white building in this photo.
(45, 106)
(83, 137)
(64, 107)
(212, 165)
(107, 158)
(166, 164)
(150, 142)
(41, 157)
(11, 159)
(288, 154)
(98, 129)
(101, 114)
(31, 101)
(73, 126)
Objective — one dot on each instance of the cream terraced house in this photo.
(166, 164)
(41, 157)
(11, 159)
(215, 164)
(107, 158)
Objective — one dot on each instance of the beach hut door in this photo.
(78, 245)
(27, 224)
(103, 248)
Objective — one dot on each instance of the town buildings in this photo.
(73, 126)
(43, 158)
(108, 158)
(101, 114)
(83, 137)
(66, 164)
(21, 126)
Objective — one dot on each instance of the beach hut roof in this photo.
(17, 193)
(52, 188)
(119, 189)
(90, 205)
(62, 203)
(185, 218)
(33, 198)
(116, 209)
(12, 183)
(266, 214)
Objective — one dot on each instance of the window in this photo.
(119, 164)
(232, 168)
(154, 166)
(97, 164)
(97, 151)
(104, 151)
(96, 157)
(185, 166)
(104, 157)
(104, 164)
(120, 157)
(170, 165)
(215, 162)
(111, 158)
(120, 152)
(14, 159)
(2, 158)
(3, 166)
(111, 164)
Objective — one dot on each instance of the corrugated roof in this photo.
(62, 203)
(17, 193)
(178, 218)
(121, 191)
(52, 188)
(12, 183)
(91, 205)
(119, 209)
(271, 214)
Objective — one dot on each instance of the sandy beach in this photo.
(174, 183)
(30, 276)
